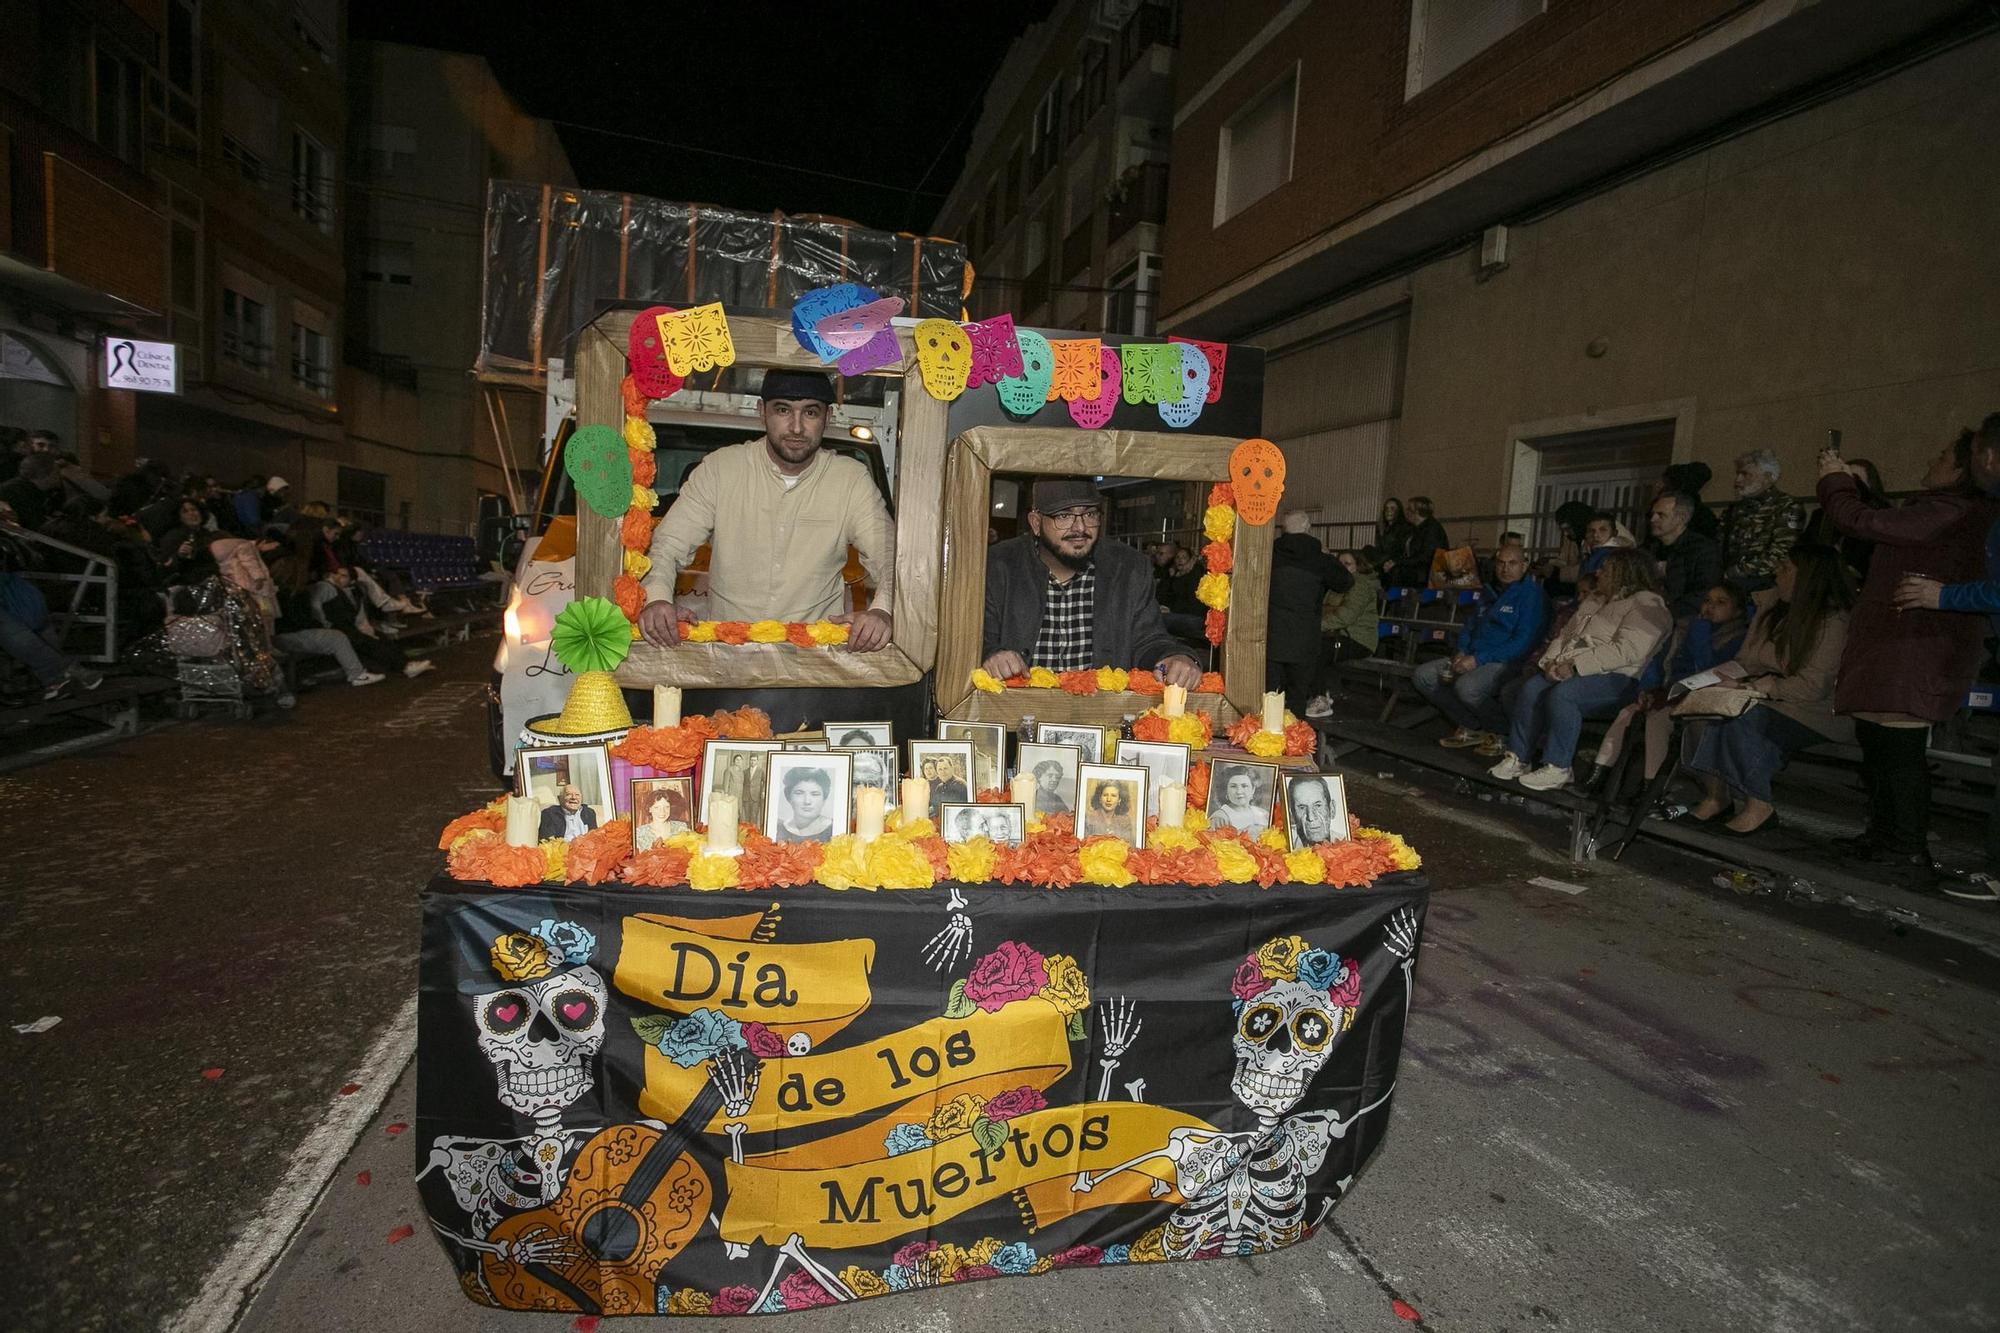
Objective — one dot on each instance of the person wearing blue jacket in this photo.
(1466, 687)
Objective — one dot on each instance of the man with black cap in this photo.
(778, 514)
(1057, 598)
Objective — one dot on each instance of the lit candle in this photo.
(1274, 710)
(522, 823)
(1022, 789)
(1174, 701)
(916, 799)
(868, 811)
(722, 809)
(666, 705)
(1173, 804)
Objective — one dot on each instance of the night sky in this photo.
(866, 108)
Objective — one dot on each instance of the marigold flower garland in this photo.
(676, 749)
(1247, 733)
(1108, 680)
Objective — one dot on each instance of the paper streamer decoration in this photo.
(646, 358)
(591, 634)
(601, 468)
(944, 358)
(862, 336)
(996, 353)
(1092, 413)
(1218, 356)
(1257, 475)
(697, 339)
(1024, 394)
(1194, 388)
(816, 305)
(1075, 370)
(1152, 372)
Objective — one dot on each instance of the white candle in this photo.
(522, 821)
(722, 823)
(916, 799)
(1274, 710)
(666, 705)
(1174, 702)
(1022, 789)
(1173, 805)
(868, 811)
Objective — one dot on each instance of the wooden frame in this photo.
(972, 460)
(765, 342)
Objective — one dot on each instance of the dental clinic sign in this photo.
(146, 367)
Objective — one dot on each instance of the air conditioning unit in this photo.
(1493, 250)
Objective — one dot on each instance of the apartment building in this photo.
(1512, 252)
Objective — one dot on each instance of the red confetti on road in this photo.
(1404, 1310)
(363, 1177)
(586, 1323)
(401, 1234)
(396, 1128)
(212, 1074)
(1830, 1078)
(349, 1089)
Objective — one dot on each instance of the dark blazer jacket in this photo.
(1128, 630)
(552, 820)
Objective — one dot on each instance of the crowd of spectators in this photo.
(1730, 643)
(296, 566)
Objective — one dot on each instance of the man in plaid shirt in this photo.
(1056, 598)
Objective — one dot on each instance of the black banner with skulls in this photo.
(663, 1100)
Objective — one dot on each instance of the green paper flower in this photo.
(599, 463)
(592, 635)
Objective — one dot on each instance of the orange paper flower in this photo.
(1214, 625)
(800, 635)
(1220, 557)
(1048, 859)
(660, 867)
(1077, 682)
(993, 796)
(1301, 738)
(635, 530)
(1197, 785)
(635, 399)
(645, 467)
(1222, 494)
(488, 857)
(489, 819)
(630, 597)
(1211, 683)
(1149, 726)
(744, 724)
(732, 631)
(1145, 682)
(601, 853)
(777, 865)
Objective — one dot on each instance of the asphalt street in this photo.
(1626, 1102)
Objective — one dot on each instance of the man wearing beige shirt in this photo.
(778, 514)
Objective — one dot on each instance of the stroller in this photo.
(221, 648)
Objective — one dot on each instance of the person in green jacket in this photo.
(1350, 625)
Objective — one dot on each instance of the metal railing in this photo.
(98, 572)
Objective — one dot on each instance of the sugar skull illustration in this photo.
(1257, 475)
(1024, 394)
(1194, 388)
(646, 356)
(1092, 413)
(944, 358)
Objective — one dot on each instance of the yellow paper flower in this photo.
(826, 633)
(1218, 523)
(702, 631)
(635, 630)
(1233, 861)
(1196, 821)
(1304, 867)
(1213, 591)
(638, 564)
(949, 1260)
(954, 1117)
(639, 435)
(1173, 839)
(971, 861)
(1104, 863)
(1068, 989)
(984, 682)
(863, 1282)
(1187, 730)
(519, 957)
(983, 1252)
(1401, 854)
(1265, 744)
(555, 852)
(688, 842)
(1148, 1249)
(894, 864)
(712, 872)
(1041, 678)
(842, 867)
(1279, 959)
(1110, 678)
(767, 631)
(644, 497)
(1274, 838)
(691, 1300)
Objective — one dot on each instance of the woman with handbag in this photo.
(1776, 695)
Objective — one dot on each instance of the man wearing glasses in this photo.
(1055, 598)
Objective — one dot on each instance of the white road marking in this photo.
(227, 1290)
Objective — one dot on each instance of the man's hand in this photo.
(1830, 463)
(1917, 593)
(1559, 671)
(660, 622)
(1004, 664)
(1182, 671)
(868, 632)
(1463, 663)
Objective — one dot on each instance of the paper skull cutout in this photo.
(601, 467)
(1257, 475)
(816, 305)
(996, 353)
(1194, 388)
(646, 357)
(1218, 358)
(1024, 394)
(1092, 413)
(944, 358)
(847, 330)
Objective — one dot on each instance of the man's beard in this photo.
(785, 451)
(1064, 558)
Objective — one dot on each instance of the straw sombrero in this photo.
(591, 638)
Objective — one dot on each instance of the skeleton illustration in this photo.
(952, 945)
(1121, 1029)
(1246, 1192)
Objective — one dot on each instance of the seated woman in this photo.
(1790, 657)
(1590, 669)
(1706, 640)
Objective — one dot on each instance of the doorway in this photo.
(1611, 468)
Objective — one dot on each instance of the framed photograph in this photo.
(1114, 802)
(571, 786)
(1090, 740)
(1241, 795)
(662, 808)
(1003, 824)
(737, 767)
(806, 745)
(1315, 808)
(1054, 767)
(1163, 761)
(859, 736)
(811, 796)
(947, 765)
(875, 767)
(989, 751)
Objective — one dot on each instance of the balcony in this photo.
(1139, 196)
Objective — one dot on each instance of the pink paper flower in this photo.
(1011, 972)
(1016, 1102)
(734, 1300)
(764, 1043)
(802, 1292)
(1250, 981)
